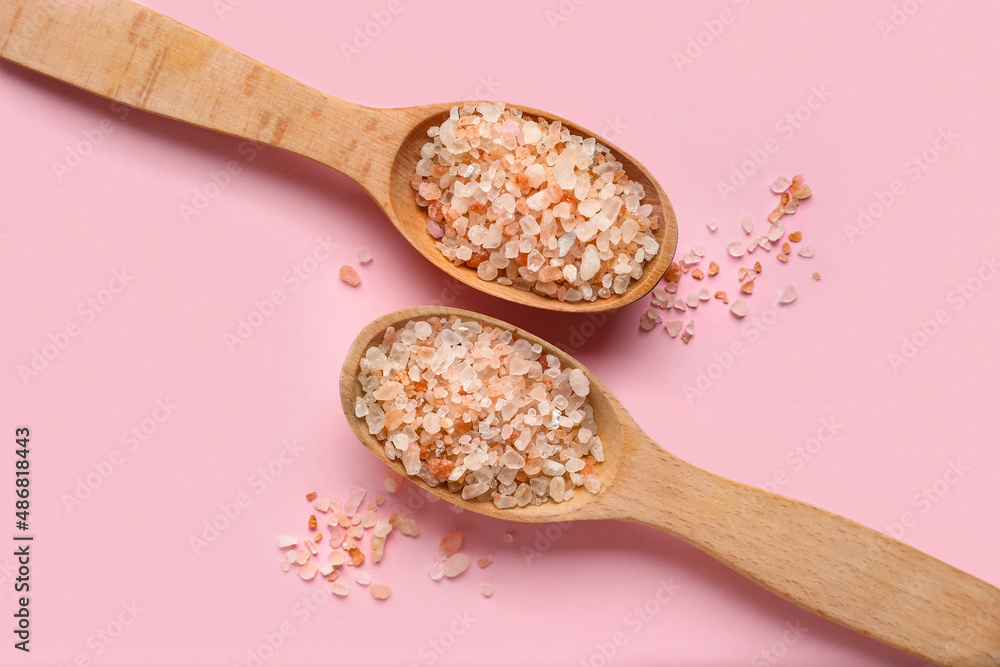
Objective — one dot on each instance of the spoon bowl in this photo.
(826, 564)
(128, 53)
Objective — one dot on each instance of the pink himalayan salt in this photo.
(455, 565)
(500, 187)
(364, 255)
(487, 590)
(349, 275)
(479, 452)
(380, 591)
(451, 543)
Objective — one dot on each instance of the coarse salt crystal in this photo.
(308, 571)
(287, 541)
(349, 275)
(362, 578)
(380, 591)
(487, 590)
(789, 294)
(364, 255)
(779, 185)
(455, 565)
(807, 250)
(735, 249)
(738, 308)
(340, 588)
(747, 223)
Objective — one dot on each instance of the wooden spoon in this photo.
(131, 54)
(826, 564)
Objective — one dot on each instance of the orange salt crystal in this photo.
(816, 276)
(441, 467)
(318, 538)
(312, 522)
(357, 556)
(786, 248)
(795, 237)
(722, 295)
(311, 496)
(349, 275)
(697, 274)
(484, 561)
(757, 267)
(713, 268)
(380, 591)
(782, 257)
(747, 287)
(451, 543)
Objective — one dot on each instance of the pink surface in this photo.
(880, 97)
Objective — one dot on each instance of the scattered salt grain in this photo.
(739, 308)
(484, 561)
(807, 250)
(380, 591)
(391, 482)
(735, 249)
(747, 223)
(286, 541)
(362, 578)
(340, 588)
(789, 294)
(364, 255)
(712, 226)
(436, 571)
(487, 590)
(779, 185)
(308, 571)
(354, 497)
(508, 537)
(456, 565)
(285, 565)
(451, 543)
(349, 275)
(816, 275)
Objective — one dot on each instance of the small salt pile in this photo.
(481, 410)
(529, 204)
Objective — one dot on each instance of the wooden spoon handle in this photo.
(131, 54)
(827, 564)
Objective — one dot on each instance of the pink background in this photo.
(887, 96)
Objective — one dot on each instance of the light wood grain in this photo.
(827, 564)
(128, 53)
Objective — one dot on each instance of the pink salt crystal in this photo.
(434, 229)
(292, 555)
(286, 541)
(285, 565)
(451, 543)
(704, 294)
(368, 519)
(326, 569)
(380, 591)
(349, 275)
(739, 308)
(322, 504)
(363, 578)
(487, 590)
(336, 557)
(789, 294)
(735, 249)
(303, 557)
(340, 588)
(364, 255)
(673, 327)
(354, 498)
(378, 548)
(747, 223)
(436, 571)
(508, 537)
(379, 500)
(308, 571)
(484, 561)
(779, 185)
(337, 536)
(776, 231)
(312, 547)
(712, 226)
(807, 250)
(456, 565)
(391, 482)
(692, 300)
